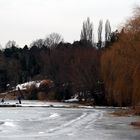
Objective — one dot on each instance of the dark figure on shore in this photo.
(2, 100)
(20, 95)
(19, 99)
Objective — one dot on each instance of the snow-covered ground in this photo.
(72, 100)
(24, 86)
(41, 123)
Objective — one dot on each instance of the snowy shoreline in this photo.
(55, 105)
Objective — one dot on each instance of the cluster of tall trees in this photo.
(108, 71)
(87, 33)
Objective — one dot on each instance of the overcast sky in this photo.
(27, 20)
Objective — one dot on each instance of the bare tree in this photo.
(120, 65)
(38, 43)
(100, 28)
(53, 39)
(10, 44)
(136, 11)
(87, 31)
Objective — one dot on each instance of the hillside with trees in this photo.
(106, 71)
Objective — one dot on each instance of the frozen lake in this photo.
(41, 123)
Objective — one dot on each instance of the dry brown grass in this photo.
(137, 124)
(129, 112)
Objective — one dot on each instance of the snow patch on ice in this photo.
(41, 132)
(54, 115)
(70, 134)
(11, 124)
